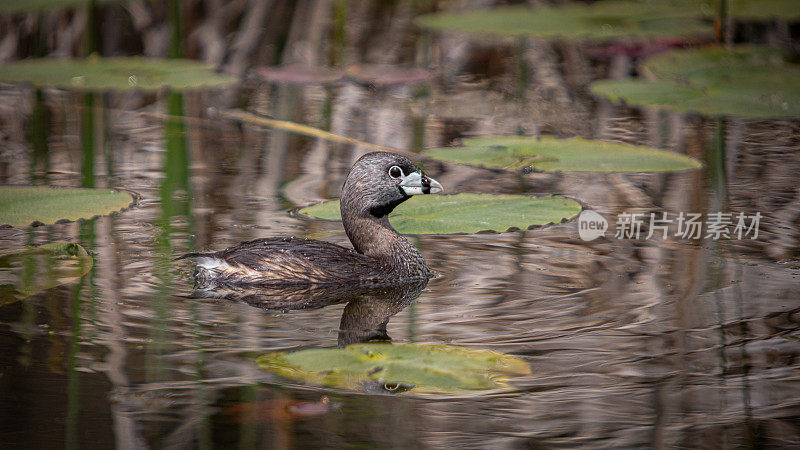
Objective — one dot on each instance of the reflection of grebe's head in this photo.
(380, 181)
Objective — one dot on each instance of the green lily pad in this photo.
(25, 271)
(744, 81)
(600, 21)
(609, 20)
(466, 213)
(97, 74)
(422, 368)
(553, 154)
(703, 66)
(22, 205)
(755, 10)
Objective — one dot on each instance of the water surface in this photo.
(655, 343)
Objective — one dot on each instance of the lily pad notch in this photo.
(467, 213)
(22, 206)
(552, 154)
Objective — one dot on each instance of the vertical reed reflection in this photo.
(71, 425)
(88, 140)
(86, 285)
(175, 206)
(717, 167)
(39, 134)
(29, 312)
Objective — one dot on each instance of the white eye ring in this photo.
(395, 172)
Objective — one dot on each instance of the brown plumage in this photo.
(376, 184)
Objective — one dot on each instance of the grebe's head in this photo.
(380, 181)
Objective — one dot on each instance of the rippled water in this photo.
(630, 342)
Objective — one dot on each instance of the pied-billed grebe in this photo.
(376, 184)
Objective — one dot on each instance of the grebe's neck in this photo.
(373, 236)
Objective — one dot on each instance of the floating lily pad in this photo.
(300, 74)
(755, 10)
(25, 271)
(467, 213)
(96, 74)
(553, 154)
(421, 368)
(22, 205)
(743, 81)
(712, 65)
(600, 21)
(609, 20)
(387, 75)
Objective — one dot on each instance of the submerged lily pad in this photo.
(553, 154)
(744, 81)
(466, 213)
(387, 75)
(299, 74)
(636, 49)
(95, 74)
(22, 205)
(599, 21)
(25, 271)
(421, 368)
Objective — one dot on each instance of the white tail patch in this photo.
(211, 263)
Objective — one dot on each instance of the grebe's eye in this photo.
(395, 172)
